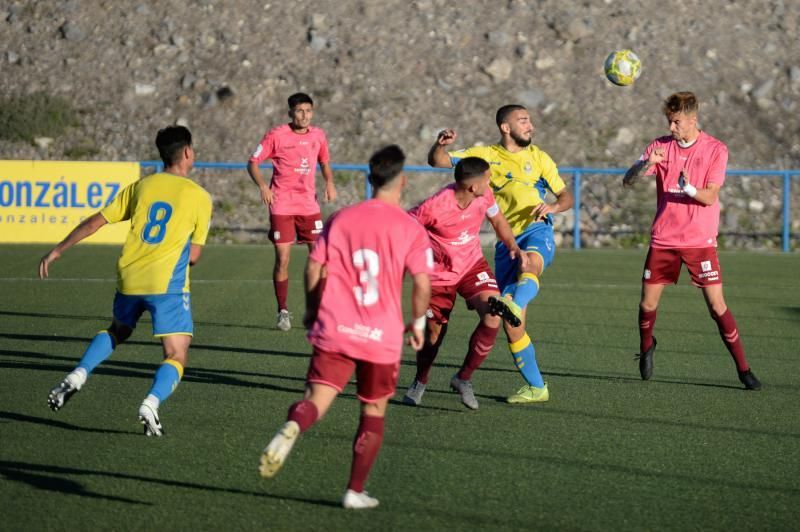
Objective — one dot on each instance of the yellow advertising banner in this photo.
(41, 201)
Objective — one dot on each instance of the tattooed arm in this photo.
(640, 168)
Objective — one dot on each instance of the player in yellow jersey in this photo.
(170, 216)
(521, 176)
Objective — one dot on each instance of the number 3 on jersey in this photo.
(156, 227)
(368, 265)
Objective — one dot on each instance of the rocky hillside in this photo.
(399, 70)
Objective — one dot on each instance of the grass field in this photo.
(688, 450)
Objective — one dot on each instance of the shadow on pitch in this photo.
(14, 416)
(107, 318)
(155, 344)
(54, 478)
(47, 478)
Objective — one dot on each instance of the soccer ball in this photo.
(623, 67)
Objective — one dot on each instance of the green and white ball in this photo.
(623, 67)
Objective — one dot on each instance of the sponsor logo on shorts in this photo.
(711, 276)
(429, 313)
(706, 266)
(485, 278)
(276, 235)
(647, 273)
(186, 304)
(364, 332)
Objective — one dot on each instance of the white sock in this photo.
(77, 377)
(152, 401)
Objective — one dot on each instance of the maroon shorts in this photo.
(373, 381)
(478, 279)
(663, 266)
(284, 228)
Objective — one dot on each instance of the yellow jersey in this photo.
(519, 180)
(168, 213)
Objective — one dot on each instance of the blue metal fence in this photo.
(576, 173)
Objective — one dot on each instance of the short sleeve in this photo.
(265, 148)
(120, 207)
(474, 151)
(718, 166)
(550, 174)
(203, 223)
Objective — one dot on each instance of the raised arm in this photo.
(437, 156)
(640, 168)
(85, 229)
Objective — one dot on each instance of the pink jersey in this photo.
(680, 221)
(366, 250)
(454, 232)
(294, 158)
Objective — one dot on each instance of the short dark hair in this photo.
(470, 167)
(170, 141)
(299, 97)
(385, 164)
(680, 102)
(506, 110)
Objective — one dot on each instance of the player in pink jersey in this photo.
(453, 217)
(294, 214)
(355, 318)
(690, 169)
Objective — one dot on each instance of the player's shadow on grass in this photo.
(53, 478)
(144, 370)
(8, 417)
(194, 348)
(21, 473)
(107, 318)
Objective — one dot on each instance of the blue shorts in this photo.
(171, 313)
(537, 238)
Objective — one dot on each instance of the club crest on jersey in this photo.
(528, 168)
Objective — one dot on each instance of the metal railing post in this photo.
(576, 230)
(787, 201)
(367, 186)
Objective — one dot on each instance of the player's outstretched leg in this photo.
(526, 289)
(535, 389)
(506, 308)
(278, 449)
(301, 416)
(98, 350)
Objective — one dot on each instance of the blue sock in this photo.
(525, 359)
(526, 289)
(100, 348)
(166, 379)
